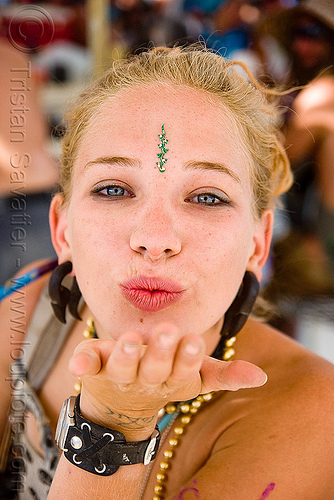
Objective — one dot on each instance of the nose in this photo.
(155, 235)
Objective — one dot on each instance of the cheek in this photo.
(230, 268)
(231, 241)
(221, 257)
(95, 242)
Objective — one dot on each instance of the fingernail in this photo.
(265, 379)
(130, 349)
(192, 349)
(166, 340)
(260, 380)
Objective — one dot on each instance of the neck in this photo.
(212, 336)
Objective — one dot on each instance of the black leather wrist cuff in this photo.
(97, 449)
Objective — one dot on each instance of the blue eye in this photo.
(209, 199)
(112, 191)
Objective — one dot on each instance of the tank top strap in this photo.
(43, 342)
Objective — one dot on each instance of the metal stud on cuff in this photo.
(151, 448)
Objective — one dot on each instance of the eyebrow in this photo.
(208, 165)
(124, 161)
(121, 161)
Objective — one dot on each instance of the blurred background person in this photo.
(28, 173)
(304, 259)
(45, 60)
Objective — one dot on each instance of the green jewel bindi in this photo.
(163, 150)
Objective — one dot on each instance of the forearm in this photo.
(100, 459)
(121, 393)
(73, 483)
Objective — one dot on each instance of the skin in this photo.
(311, 131)
(126, 246)
(141, 360)
(150, 230)
(28, 158)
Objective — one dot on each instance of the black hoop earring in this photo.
(61, 297)
(238, 312)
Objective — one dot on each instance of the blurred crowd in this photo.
(284, 43)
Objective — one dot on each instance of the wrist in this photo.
(98, 449)
(134, 427)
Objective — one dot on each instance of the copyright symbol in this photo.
(30, 29)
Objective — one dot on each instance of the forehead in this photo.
(197, 125)
(154, 103)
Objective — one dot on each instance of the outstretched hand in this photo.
(126, 383)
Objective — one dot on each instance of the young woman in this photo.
(171, 164)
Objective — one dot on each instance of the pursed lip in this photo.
(151, 293)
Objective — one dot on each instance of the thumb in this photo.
(230, 375)
(85, 360)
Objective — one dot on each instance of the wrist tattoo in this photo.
(131, 422)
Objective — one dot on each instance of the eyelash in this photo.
(206, 196)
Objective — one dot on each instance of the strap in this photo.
(15, 283)
(44, 340)
(100, 450)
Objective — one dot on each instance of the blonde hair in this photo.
(255, 114)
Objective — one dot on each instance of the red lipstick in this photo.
(151, 293)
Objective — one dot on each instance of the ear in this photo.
(261, 243)
(58, 228)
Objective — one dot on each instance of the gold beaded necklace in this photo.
(188, 409)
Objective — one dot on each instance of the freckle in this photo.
(141, 320)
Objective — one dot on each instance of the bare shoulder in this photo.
(318, 94)
(303, 377)
(283, 432)
(311, 120)
(275, 441)
(16, 311)
(275, 349)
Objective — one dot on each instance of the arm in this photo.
(23, 128)
(311, 131)
(71, 482)
(125, 384)
(311, 120)
(276, 440)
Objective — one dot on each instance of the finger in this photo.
(230, 376)
(122, 365)
(157, 362)
(188, 361)
(90, 356)
(86, 359)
